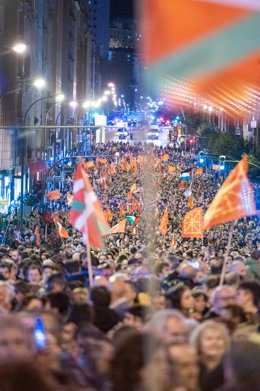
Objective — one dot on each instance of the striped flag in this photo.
(86, 214)
(185, 176)
(131, 219)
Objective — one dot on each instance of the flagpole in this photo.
(223, 272)
(46, 232)
(90, 269)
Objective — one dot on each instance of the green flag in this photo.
(131, 219)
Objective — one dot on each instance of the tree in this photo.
(229, 145)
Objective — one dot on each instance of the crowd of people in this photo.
(156, 316)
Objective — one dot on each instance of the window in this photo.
(1, 18)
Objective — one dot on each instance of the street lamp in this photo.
(60, 98)
(73, 104)
(86, 104)
(23, 146)
(19, 48)
(39, 83)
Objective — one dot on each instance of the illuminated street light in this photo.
(111, 85)
(19, 48)
(60, 97)
(205, 107)
(86, 104)
(96, 104)
(39, 83)
(104, 99)
(107, 92)
(73, 104)
(210, 108)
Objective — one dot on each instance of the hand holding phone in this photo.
(39, 334)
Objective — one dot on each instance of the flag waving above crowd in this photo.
(86, 214)
(234, 200)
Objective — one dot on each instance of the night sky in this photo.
(121, 8)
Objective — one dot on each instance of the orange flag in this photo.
(171, 168)
(163, 228)
(133, 188)
(199, 171)
(121, 211)
(165, 157)
(53, 195)
(192, 226)
(109, 215)
(234, 200)
(118, 228)
(37, 236)
(61, 230)
(89, 164)
(190, 202)
(101, 160)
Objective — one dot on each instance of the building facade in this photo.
(59, 50)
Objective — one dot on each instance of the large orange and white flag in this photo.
(234, 200)
(192, 225)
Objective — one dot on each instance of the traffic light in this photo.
(222, 160)
(202, 157)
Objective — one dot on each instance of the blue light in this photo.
(177, 118)
(201, 160)
(222, 167)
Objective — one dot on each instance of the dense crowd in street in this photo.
(156, 317)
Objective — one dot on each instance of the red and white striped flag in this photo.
(86, 214)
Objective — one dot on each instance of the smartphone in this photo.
(39, 334)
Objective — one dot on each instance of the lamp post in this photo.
(39, 83)
(19, 48)
(58, 100)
